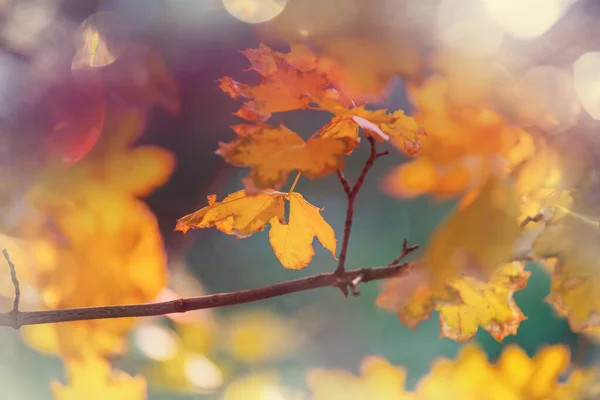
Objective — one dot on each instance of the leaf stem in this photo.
(294, 183)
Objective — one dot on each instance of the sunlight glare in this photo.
(466, 25)
(254, 11)
(156, 342)
(586, 74)
(203, 373)
(527, 19)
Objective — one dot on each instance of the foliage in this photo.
(89, 240)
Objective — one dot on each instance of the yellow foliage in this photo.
(478, 238)
(470, 377)
(91, 377)
(464, 147)
(260, 336)
(242, 215)
(379, 380)
(464, 303)
(292, 242)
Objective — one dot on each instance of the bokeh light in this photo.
(202, 373)
(156, 342)
(254, 11)
(548, 99)
(465, 24)
(100, 40)
(586, 75)
(527, 19)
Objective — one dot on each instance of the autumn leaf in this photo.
(469, 377)
(286, 81)
(575, 292)
(478, 238)
(464, 147)
(397, 128)
(292, 242)
(242, 215)
(238, 214)
(92, 378)
(514, 377)
(259, 336)
(378, 380)
(464, 304)
(106, 251)
(272, 153)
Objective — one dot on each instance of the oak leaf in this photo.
(273, 152)
(91, 377)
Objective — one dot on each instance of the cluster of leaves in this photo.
(522, 196)
(292, 81)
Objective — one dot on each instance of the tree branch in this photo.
(351, 193)
(352, 278)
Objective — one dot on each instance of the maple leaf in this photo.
(477, 238)
(464, 147)
(286, 80)
(469, 377)
(464, 303)
(242, 215)
(238, 214)
(378, 380)
(399, 129)
(273, 152)
(91, 377)
(292, 242)
(514, 377)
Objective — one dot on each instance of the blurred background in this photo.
(163, 58)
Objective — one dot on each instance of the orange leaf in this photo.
(272, 153)
(286, 82)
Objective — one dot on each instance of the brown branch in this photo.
(351, 193)
(14, 313)
(351, 278)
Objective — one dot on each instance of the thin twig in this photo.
(14, 313)
(351, 193)
(406, 250)
(202, 302)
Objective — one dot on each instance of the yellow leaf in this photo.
(91, 378)
(478, 238)
(292, 242)
(487, 304)
(379, 380)
(238, 214)
(470, 377)
(261, 336)
(272, 153)
(464, 303)
(109, 251)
